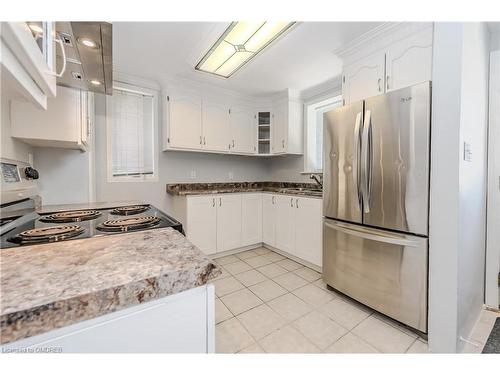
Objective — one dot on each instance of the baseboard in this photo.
(236, 251)
(294, 258)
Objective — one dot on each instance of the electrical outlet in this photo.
(193, 175)
(230, 175)
(467, 152)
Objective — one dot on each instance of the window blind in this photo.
(132, 138)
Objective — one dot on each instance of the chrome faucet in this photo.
(318, 178)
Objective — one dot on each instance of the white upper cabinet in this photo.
(251, 218)
(243, 130)
(228, 221)
(28, 62)
(403, 59)
(364, 79)
(201, 223)
(66, 123)
(409, 61)
(216, 126)
(287, 127)
(183, 115)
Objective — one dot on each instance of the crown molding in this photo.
(326, 88)
(378, 38)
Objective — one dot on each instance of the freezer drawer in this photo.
(384, 270)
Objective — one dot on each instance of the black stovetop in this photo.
(100, 222)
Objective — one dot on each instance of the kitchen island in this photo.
(145, 291)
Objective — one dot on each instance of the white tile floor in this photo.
(267, 303)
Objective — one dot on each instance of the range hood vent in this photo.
(89, 58)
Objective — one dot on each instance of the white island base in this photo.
(180, 323)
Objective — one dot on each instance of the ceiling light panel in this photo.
(238, 44)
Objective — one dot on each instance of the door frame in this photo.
(492, 265)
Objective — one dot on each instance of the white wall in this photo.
(10, 147)
(458, 187)
(473, 176)
(64, 175)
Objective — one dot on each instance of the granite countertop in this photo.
(46, 209)
(288, 188)
(49, 286)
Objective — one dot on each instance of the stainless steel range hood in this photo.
(88, 49)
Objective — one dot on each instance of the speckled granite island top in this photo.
(49, 286)
(308, 189)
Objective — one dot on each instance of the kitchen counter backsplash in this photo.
(53, 285)
(241, 187)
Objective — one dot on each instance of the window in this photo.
(313, 161)
(131, 129)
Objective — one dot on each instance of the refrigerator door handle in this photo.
(372, 235)
(366, 161)
(355, 162)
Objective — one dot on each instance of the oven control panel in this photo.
(17, 181)
(10, 173)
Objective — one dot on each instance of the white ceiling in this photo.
(300, 59)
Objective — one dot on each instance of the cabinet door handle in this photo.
(220, 202)
(200, 140)
(297, 203)
(272, 199)
(387, 82)
(283, 143)
(233, 143)
(204, 141)
(291, 202)
(213, 202)
(379, 87)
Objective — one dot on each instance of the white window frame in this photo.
(335, 96)
(109, 129)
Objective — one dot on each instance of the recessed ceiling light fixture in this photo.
(238, 44)
(87, 42)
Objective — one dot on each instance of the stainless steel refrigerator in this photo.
(376, 202)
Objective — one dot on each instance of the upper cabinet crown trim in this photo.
(378, 38)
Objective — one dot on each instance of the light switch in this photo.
(467, 152)
(193, 175)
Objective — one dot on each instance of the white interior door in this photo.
(285, 223)
(184, 120)
(243, 130)
(251, 219)
(202, 223)
(309, 229)
(364, 79)
(216, 126)
(228, 221)
(268, 219)
(409, 61)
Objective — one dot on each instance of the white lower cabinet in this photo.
(223, 222)
(251, 219)
(179, 323)
(309, 230)
(228, 222)
(285, 223)
(201, 222)
(294, 224)
(269, 219)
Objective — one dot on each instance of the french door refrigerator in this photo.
(376, 202)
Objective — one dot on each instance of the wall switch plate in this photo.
(467, 152)
(230, 175)
(192, 175)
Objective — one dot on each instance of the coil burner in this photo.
(130, 210)
(71, 216)
(129, 224)
(47, 234)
